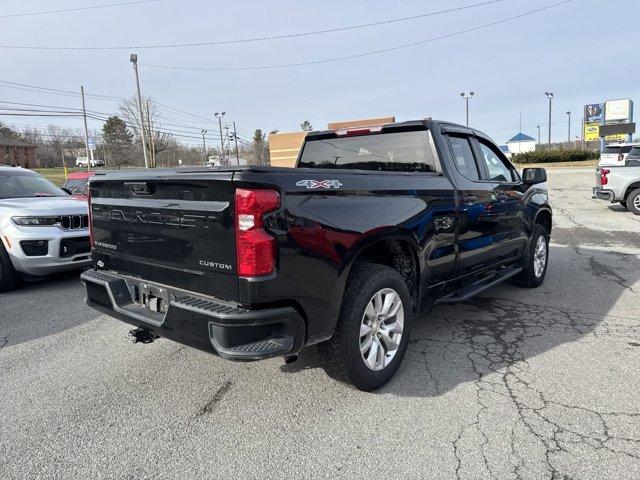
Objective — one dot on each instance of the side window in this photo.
(496, 168)
(463, 157)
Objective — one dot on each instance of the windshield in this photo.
(27, 185)
(616, 149)
(76, 185)
(402, 151)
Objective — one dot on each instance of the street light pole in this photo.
(134, 59)
(204, 146)
(550, 97)
(569, 128)
(538, 127)
(219, 116)
(466, 98)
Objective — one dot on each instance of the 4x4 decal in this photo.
(319, 183)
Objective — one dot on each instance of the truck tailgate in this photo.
(172, 229)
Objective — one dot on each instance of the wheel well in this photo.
(544, 219)
(399, 255)
(630, 189)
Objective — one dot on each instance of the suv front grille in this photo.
(74, 222)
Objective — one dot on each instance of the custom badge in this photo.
(319, 183)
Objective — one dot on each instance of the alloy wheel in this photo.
(381, 329)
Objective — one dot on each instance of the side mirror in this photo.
(532, 176)
(66, 190)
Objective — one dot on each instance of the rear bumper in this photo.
(201, 322)
(603, 194)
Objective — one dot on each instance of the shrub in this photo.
(548, 156)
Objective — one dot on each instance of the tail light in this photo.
(603, 176)
(92, 240)
(255, 248)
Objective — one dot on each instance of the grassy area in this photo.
(581, 164)
(56, 175)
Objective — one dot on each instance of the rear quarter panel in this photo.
(320, 232)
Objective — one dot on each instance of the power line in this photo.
(257, 39)
(77, 9)
(364, 54)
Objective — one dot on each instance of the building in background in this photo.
(284, 147)
(521, 143)
(17, 153)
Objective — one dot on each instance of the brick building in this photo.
(17, 153)
(284, 147)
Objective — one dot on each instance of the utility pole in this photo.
(538, 127)
(466, 98)
(134, 59)
(569, 128)
(204, 146)
(226, 137)
(86, 130)
(550, 97)
(219, 116)
(235, 138)
(152, 147)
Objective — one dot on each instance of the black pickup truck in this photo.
(254, 262)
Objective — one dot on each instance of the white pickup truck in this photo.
(619, 184)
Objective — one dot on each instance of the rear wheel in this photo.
(633, 201)
(9, 278)
(373, 328)
(534, 263)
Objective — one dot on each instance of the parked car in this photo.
(76, 183)
(620, 184)
(616, 154)
(42, 228)
(84, 162)
(253, 262)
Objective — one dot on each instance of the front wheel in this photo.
(9, 277)
(534, 264)
(633, 201)
(373, 328)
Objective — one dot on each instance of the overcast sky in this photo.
(578, 50)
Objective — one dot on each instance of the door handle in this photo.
(469, 199)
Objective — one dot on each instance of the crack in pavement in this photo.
(494, 341)
(217, 396)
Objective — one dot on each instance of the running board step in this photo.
(468, 291)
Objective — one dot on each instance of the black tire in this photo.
(528, 278)
(633, 202)
(624, 205)
(9, 277)
(342, 357)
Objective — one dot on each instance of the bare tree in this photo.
(157, 140)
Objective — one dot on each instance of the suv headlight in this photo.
(35, 221)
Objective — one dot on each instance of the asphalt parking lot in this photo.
(517, 384)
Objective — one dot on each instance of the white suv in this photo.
(42, 228)
(84, 162)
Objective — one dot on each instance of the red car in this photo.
(76, 183)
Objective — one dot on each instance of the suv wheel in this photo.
(633, 201)
(9, 278)
(373, 328)
(535, 261)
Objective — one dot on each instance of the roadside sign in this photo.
(92, 143)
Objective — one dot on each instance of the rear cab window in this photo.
(411, 151)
